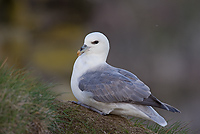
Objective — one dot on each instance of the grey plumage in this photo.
(113, 85)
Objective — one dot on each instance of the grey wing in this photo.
(112, 86)
(151, 100)
(118, 85)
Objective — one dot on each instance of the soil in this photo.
(77, 119)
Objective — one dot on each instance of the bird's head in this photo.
(95, 43)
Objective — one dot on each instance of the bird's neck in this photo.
(85, 62)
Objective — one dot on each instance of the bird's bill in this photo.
(78, 53)
(82, 50)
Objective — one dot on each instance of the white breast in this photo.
(82, 64)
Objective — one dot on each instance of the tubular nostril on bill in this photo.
(83, 47)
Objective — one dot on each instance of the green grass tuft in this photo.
(176, 127)
(25, 103)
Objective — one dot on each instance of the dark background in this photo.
(158, 40)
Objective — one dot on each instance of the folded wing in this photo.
(113, 85)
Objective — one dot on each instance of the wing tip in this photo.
(172, 109)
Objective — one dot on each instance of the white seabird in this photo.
(110, 90)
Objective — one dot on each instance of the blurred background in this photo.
(159, 41)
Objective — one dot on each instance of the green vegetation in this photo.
(176, 127)
(27, 106)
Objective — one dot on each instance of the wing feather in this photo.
(113, 85)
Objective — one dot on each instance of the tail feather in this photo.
(152, 114)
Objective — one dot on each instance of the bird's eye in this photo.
(95, 42)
